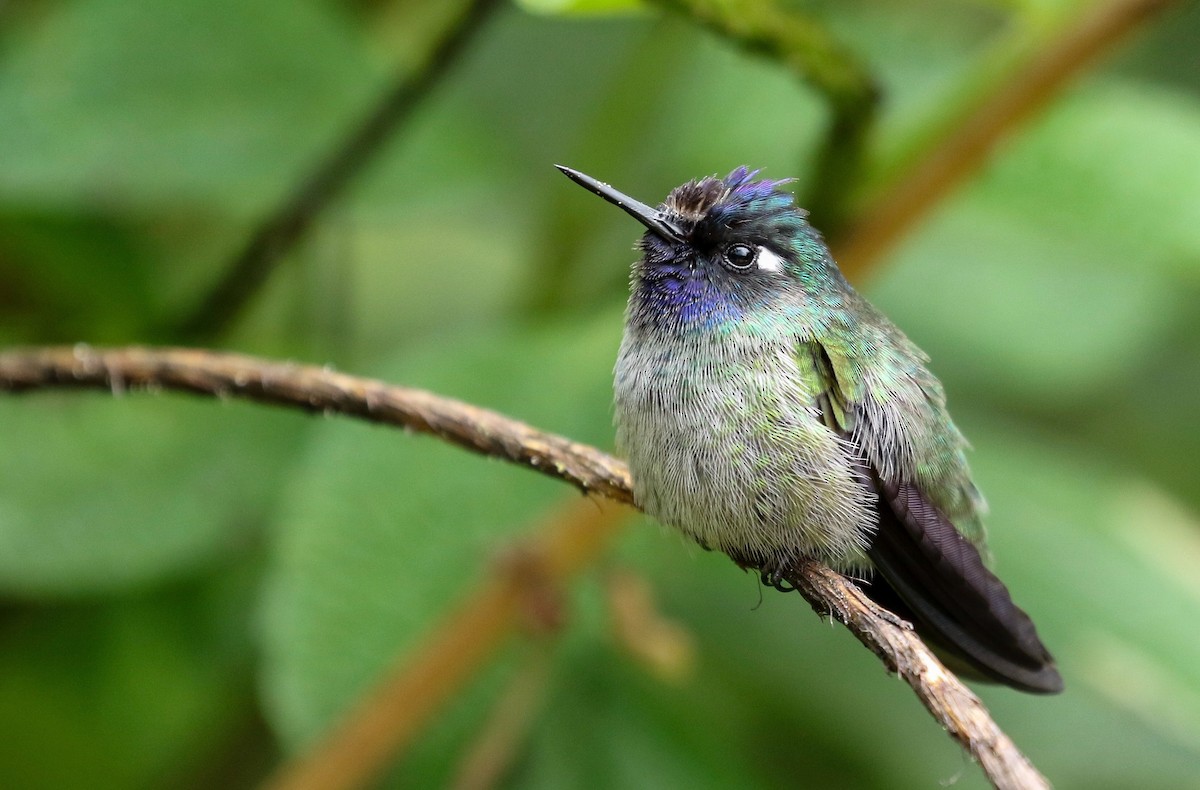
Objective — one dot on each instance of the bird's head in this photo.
(718, 249)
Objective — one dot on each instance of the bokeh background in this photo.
(193, 590)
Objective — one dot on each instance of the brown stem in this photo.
(949, 161)
(392, 714)
(389, 717)
(952, 704)
(663, 647)
(318, 389)
(509, 725)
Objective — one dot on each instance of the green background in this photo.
(193, 589)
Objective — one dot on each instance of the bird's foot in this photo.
(772, 573)
(778, 572)
(774, 577)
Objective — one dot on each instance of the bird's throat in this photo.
(682, 299)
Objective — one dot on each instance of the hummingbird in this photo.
(769, 411)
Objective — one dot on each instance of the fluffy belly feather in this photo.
(730, 451)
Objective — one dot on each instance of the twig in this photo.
(508, 726)
(951, 703)
(948, 161)
(663, 647)
(318, 389)
(280, 231)
(387, 719)
(556, 554)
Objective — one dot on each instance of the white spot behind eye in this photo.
(768, 261)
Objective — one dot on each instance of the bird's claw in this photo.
(774, 577)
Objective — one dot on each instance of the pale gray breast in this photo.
(724, 444)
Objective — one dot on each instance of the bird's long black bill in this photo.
(652, 218)
(955, 602)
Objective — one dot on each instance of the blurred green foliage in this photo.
(174, 570)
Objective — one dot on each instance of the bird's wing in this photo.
(925, 566)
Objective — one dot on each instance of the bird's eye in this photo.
(740, 257)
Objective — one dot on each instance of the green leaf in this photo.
(382, 533)
(1061, 270)
(1007, 306)
(581, 6)
(99, 493)
(137, 104)
(607, 725)
(139, 691)
(66, 277)
(1116, 164)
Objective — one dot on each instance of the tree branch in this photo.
(317, 389)
(951, 703)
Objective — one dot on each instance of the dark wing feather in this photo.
(930, 574)
(955, 601)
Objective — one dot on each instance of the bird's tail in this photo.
(929, 573)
